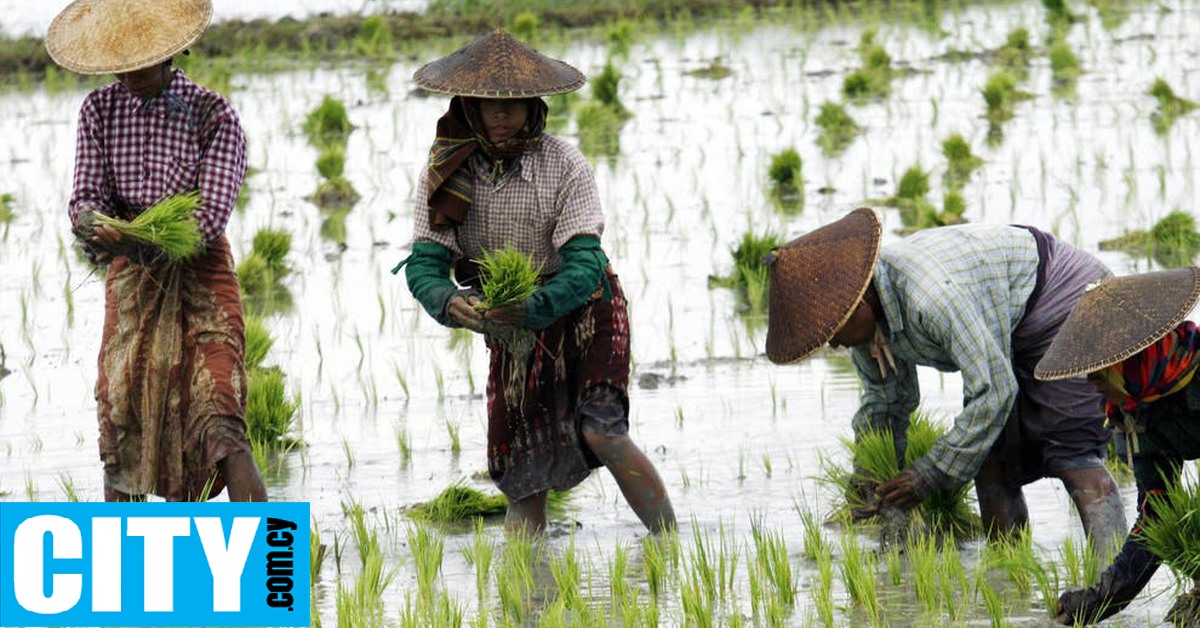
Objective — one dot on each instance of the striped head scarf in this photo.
(1164, 368)
(460, 132)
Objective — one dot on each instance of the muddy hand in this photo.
(905, 491)
(462, 311)
(507, 315)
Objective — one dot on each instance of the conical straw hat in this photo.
(1116, 319)
(498, 65)
(115, 36)
(816, 282)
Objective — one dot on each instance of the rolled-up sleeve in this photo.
(989, 387)
(222, 170)
(577, 201)
(92, 190)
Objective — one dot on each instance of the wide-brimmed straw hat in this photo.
(816, 282)
(1116, 319)
(498, 65)
(115, 36)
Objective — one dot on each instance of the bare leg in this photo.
(242, 477)
(1002, 509)
(1098, 501)
(527, 516)
(638, 479)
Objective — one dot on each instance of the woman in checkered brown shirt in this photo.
(495, 179)
(171, 392)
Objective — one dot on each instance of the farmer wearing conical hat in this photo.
(559, 406)
(982, 300)
(171, 393)
(1130, 337)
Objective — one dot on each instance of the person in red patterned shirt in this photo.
(171, 391)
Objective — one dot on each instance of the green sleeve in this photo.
(428, 273)
(583, 269)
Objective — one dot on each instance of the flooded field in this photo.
(391, 406)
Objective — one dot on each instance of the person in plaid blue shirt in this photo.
(981, 300)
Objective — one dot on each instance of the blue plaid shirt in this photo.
(952, 297)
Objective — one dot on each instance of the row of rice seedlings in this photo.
(772, 558)
(361, 605)
(1017, 555)
(568, 577)
(479, 555)
(1172, 532)
(515, 588)
(858, 575)
(427, 551)
(260, 273)
(823, 592)
(922, 552)
(952, 580)
(270, 413)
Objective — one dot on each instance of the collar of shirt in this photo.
(887, 297)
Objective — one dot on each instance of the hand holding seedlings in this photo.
(905, 491)
(512, 314)
(462, 311)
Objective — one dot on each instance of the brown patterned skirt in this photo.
(171, 393)
(535, 439)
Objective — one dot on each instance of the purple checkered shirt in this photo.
(135, 152)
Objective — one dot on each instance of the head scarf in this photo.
(1164, 368)
(460, 133)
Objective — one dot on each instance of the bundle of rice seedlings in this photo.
(1170, 106)
(606, 89)
(260, 272)
(331, 163)
(750, 275)
(1058, 14)
(170, 225)
(258, 342)
(874, 79)
(961, 161)
(459, 502)
(1016, 50)
(1173, 534)
(1000, 94)
(526, 26)
(270, 414)
(599, 130)
(784, 171)
(838, 129)
(1173, 241)
(874, 461)
(273, 245)
(328, 124)
(1063, 62)
(506, 276)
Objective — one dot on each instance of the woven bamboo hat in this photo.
(816, 282)
(115, 36)
(498, 65)
(1116, 319)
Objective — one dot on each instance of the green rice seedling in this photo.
(328, 124)
(316, 553)
(427, 551)
(823, 592)
(1016, 555)
(750, 275)
(270, 414)
(455, 443)
(787, 183)
(618, 571)
(606, 89)
(1015, 52)
(697, 605)
(961, 162)
(922, 551)
(620, 36)
(67, 484)
(516, 587)
(273, 245)
(1172, 532)
(1000, 94)
(1170, 106)
(992, 603)
(952, 579)
(914, 184)
(526, 26)
(365, 537)
(507, 276)
(838, 129)
(459, 502)
(6, 212)
(258, 342)
(374, 38)
(599, 130)
(858, 574)
(332, 195)
(772, 558)
(567, 577)
(1175, 239)
(1072, 562)
(953, 208)
(895, 569)
(402, 444)
(362, 605)
(170, 225)
(654, 562)
(814, 540)
(479, 555)
(331, 163)
(1063, 62)
(1058, 15)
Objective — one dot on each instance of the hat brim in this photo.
(495, 66)
(1117, 319)
(816, 281)
(118, 36)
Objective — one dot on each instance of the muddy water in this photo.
(688, 181)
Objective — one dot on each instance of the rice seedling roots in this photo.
(1185, 613)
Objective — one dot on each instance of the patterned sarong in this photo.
(171, 392)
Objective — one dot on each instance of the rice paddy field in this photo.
(390, 408)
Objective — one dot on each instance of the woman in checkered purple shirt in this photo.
(171, 392)
(494, 180)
